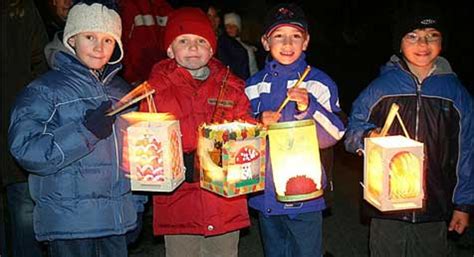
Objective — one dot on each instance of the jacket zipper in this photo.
(417, 122)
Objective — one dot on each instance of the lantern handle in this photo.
(287, 99)
(390, 117)
(131, 102)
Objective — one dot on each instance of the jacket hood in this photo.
(442, 65)
(55, 46)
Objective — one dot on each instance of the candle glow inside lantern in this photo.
(393, 173)
(152, 151)
(232, 158)
(296, 165)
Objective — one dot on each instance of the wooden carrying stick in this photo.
(141, 92)
(390, 117)
(287, 99)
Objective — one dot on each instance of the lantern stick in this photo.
(287, 99)
(130, 102)
(390, 117)
(403, 125)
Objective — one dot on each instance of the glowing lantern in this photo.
(232, 158)
(393, 173)
(296, 165)
(152, 151)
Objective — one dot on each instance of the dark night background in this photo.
(351, 39)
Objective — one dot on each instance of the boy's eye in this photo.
(433, 36)
(202, 41)
(89, 37)
(412, 36)
(297, 36)
(182, 41)
(109, 41)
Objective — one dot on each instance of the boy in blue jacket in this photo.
(60, 133)
(437, 111)
(291, 229)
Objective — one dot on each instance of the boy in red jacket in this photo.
(196, 222)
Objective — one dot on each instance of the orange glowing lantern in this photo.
(296, 165)
(152, 151)
(393, 173)
(232, 158)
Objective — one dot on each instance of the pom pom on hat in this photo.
(189, 20)
(284, 14)
(233, 18)
(417, 16)
(94, 18)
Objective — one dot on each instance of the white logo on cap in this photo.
(428, 21)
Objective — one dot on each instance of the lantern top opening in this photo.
(149, 116)
(395, 141)
(230, 126)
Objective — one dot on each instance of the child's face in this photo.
(94, 49)
(190, 51)
(232, 30)
(421, 47)
(286, 44)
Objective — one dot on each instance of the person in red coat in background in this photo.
(143, 24)
(196, 222)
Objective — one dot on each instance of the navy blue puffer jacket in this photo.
(75, 178)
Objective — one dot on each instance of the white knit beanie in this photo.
(94, 18)
(233, 18)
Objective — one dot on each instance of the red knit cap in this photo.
(189, 20)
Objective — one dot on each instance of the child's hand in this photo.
(269, 117)
(300, 96)
(459, 221)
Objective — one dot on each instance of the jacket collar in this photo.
(272, 66)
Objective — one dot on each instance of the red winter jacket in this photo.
(190, 209)
(143, 26)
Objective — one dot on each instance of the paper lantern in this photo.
(393, 173)
(152, 151)
(296, 165)
(232, 158)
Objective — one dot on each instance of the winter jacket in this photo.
(190, 209)
(266, 90)
(437, 112)
(143, 23)
(232, 53)
(22, 60)
(75, 179)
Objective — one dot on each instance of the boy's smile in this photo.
(286, 43)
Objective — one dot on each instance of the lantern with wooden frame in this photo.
(151, 147)
(232, 158)
(393, 169)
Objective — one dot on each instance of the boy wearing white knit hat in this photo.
(61, 134)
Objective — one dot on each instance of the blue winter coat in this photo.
(438, 112)
(266, 90)
(75, 178)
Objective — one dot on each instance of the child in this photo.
(61, 134)
(291, 229)
(188, 85)
(437, 111)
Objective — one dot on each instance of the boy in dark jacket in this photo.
(437, 111)
(61, 134)
(291, 229)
